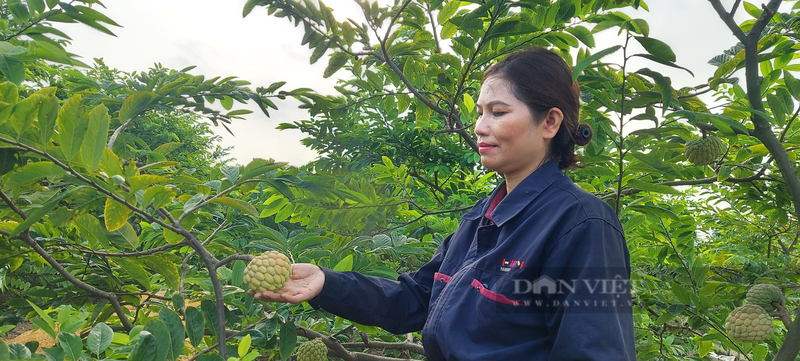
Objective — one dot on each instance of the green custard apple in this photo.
(314, 350)
(749, 323)
(268, 272)
(704, 151)
(763, 294)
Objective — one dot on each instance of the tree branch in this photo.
(403, 346)
(689, 182)
(728, 19)
(111, 297)
(131, 254)
(119, 130)
(220, 194)
(90, 182)
(229, 259)
(12, 205)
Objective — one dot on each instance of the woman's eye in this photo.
(497, 114)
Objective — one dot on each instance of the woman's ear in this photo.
(551, 123)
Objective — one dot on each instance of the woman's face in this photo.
(510, 141)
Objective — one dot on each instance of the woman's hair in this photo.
(541, 79)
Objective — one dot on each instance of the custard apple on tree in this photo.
(314, 350)
(763, 294)
(749, 323)
(268, 272)
(704, 151)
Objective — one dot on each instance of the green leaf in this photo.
(663, 83)
(72, 126)
(345, 265)
(124, 238)
(651, 187)
(448, 10)
(167, 267)
(337, 61)
(135, 104)
(160, 332)
(134, 267)
(71, 344)
(237, 278)
(48, 113)
(705, 348)
(146, 348)
(230, 172)
(24, 112)
(792, 84)
(641, 26)
(681, 294)
(99, 338)
(657, 48)
(115, 215)
(49, 322)
(760, 351)
(32, 173)
(654, 210)
(241, 205)
(41, 212)
(194, 201)
(12, 68)
(4, 353)
(287, 339)
(7, 48)
(89, 227)
(161, 196)
(753, 10)
(244, 345)
(663, 62)
(194, 325)
(167, 148)
(94, 141)
(583, 64)
(209, 309)
(36, 6)
(583, 34)
(18, 351)
(177, 332)
(724, 173)
(142, 181)
(258, 167)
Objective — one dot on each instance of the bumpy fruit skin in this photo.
(268, 272)
(704, 151)
(763, 294)
(749, 323)
(314, 350)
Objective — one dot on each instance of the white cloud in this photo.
(263, 49)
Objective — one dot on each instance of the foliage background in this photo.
(121, 220)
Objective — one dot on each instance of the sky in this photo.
(213, 36)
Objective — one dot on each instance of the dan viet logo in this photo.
(508, 265)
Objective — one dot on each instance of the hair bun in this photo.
(583, 135)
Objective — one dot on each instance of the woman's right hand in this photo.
(306, 283)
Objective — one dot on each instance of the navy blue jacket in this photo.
(546, 277)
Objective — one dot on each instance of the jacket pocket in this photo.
(496, 297)
(441, 277)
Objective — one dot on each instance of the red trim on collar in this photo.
(501, 193)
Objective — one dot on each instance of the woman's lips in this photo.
(485, 147)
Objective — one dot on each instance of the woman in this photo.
(538, 270)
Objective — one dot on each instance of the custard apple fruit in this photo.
(704, 151)
(763, 294)
(268, 272)
(314, 350)
(749, 323)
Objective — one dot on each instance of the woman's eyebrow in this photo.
(493, 102)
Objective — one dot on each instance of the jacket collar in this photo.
(522, 195)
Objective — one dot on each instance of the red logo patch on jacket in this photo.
(508, 265)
